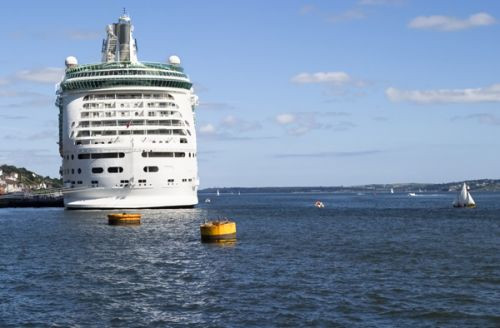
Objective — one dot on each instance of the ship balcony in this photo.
(99, 115)
(128, 123)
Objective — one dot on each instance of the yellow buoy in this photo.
(214, 231)
(124, 218)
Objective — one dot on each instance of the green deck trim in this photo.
(117, 82)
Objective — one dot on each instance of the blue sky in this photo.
(292, 93)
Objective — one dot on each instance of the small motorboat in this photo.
(412, 194)
(207, 200)
(319, 204)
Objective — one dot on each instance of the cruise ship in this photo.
(127, 129)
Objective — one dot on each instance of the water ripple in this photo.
(362, 261)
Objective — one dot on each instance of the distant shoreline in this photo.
(476, 185)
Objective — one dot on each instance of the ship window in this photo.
(157, 154)
(139, 132)
(72, 171)
(79, 171)
(124, 132)
(107, 155)
(79, 182)
(95, 182)
(180, 154)
(150, 168)
(184, 140)
(170, 180)
(97, 170)
(109, 123)
(142, 181)
(115, 169)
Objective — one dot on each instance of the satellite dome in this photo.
(71, 61)
(174, 60)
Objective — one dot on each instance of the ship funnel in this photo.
(119, 46)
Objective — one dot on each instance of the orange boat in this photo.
(124, 218)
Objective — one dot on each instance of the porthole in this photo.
(115, 169)
(150, 169)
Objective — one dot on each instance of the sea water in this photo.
(363, 260)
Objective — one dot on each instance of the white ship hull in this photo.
(117, 198)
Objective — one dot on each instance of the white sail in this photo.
(470, 200)
(464, 198)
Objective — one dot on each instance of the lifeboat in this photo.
(214, 231)
(124, 219)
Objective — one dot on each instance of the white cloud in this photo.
(297, 124)
(285, 119)
(353, 14)
(332, 154)
(307, 9)
(229, 120)
(216, 106)
(83, 35)
(234, 124)
(207, 129)
(487, 94)
(447, 23)
(337, 78)
(380, 2)
(482, 118)
(42, 75)
(229, 128)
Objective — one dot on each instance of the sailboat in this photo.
(464, 198)
(218, 193)
(392, 191)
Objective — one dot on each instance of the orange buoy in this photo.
(124, 219)
(214, 231)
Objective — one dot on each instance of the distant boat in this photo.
(239, 193)
(207, 200)
(218, 193)
(392, 191)
(412, 194)
(464, 198)
(319, 204)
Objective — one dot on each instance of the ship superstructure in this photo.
(126, 129)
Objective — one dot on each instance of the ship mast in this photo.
(119, 45)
